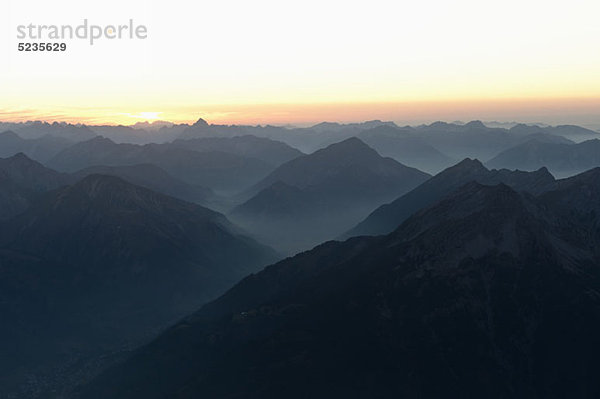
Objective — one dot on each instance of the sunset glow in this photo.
(263, 62)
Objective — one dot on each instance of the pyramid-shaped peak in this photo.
(468, 164)
(200, 122)
(19, 156)
(350, 144)
(20, 160)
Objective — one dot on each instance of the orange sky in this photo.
(583, 111)
(302, 62)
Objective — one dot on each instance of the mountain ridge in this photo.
(387, 217)
(467, 295)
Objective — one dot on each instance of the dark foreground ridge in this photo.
(488, 293)
(104, 264)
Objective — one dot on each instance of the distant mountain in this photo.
(216, 170)
(315, 197)
(31, 174)
(475, 140)
(22, 180)
(406, 148)
(388, 217)
(141, 133)
(487, 293)
(40, 149)
(338, 160)
(202, 129)
(103, 264)
(94, 152)
(156, 179)
(357, 127)
(37, 129)
(575, 133)
(457, 141)
(154, 125)
(560, 159)
(267, 150)
(326, 133)
(305, 139)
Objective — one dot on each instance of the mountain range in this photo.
(103, 264)
(41, 149)
(487, 293)
(156, 179)
(427, 147)
(22, 180)
(39, 129)
(216, 170)
(133, 265)
(561, 159)
(407, 148)
(386, 218)
(316, 197)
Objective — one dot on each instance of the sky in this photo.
(302, 62)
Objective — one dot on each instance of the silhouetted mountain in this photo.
(278, 200)
(324, 134)
(577, 197)
(94, 152)
(340, 160)
(21, 181)
(316, 197)
(575, 133)
(156, 179)
(216, 170)
(267, 150)
(201, 129)
(525, 133)
(31, 174)
(456, 141)
(388, 217)
(38, 129)
(14, 199)
(485, 294)
(475, 140)
(154, 125)
(560, 159)
(141, 133)
(40, 149)
(406, 148)
(305, 139)
(356, 127)
(102, 264)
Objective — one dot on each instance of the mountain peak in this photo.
(101, 139)
(350, 144)
(326, 125)
(475, 124)
(439, 124)
(543, 172)
(20, 157)
(498, 201)
(468, 164)
(21, 161)
(200, 123)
